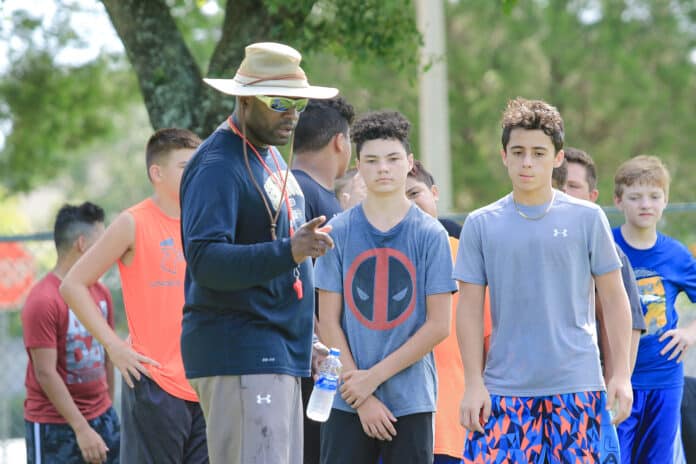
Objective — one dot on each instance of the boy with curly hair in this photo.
(384, 300)
(663, 268)
(541, 397)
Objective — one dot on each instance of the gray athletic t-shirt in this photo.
(539, 273)
(629, 281)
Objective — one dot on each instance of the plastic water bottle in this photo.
(321, 400)
(609, 449)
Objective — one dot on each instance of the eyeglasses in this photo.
(283, 104)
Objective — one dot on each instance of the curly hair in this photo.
(531, 115)
(642, 170)
(320, 121)
(381, 125)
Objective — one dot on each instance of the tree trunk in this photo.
(169, 78)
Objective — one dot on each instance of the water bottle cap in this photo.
(334, 352)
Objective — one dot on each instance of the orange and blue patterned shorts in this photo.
(568, 428)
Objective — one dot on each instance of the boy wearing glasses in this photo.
(248, 316)
(384, 301)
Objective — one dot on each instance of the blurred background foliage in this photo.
(621, 72)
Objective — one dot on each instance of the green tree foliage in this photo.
(169, 75)
(619, 71)
(53, 112)
(53, 109)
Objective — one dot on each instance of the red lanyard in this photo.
(297, 285)
(271, 174)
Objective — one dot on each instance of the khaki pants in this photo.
(252, 419)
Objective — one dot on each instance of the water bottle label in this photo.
(327, 383)
(609, 449)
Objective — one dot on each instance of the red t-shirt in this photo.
(49, 323)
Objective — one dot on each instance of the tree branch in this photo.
(168, 75)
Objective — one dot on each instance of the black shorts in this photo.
(159, 428)
(688, 418)
(57, 444)
(311, 428)
(343, 441)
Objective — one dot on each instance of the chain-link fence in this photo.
(27, 258)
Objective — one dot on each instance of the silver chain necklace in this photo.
(533, 218)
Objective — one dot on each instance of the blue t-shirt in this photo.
(662, 272)
(384, 278)
(318, 200)
(242, 315)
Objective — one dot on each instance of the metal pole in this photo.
(433, 99)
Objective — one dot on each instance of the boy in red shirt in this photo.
(68, 413)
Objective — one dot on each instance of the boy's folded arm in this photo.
(435, 329)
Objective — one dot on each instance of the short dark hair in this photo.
(530, 115)
(321, 120)
(574, 155)
(164, 141)
(559, 175)
(421, 174)
(73, 221)
(342, 182)
(381, 125)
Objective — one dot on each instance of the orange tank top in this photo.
(449, 433)
(153, 296)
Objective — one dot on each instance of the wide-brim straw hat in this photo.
(271, 68)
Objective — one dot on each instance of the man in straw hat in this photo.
(248, 318)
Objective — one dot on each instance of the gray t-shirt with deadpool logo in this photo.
(384, 278)
(539, 272)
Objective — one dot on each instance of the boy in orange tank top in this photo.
(449, 433)
(162, 420)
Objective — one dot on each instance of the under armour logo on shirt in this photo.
(263, 399)
(560, 232)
